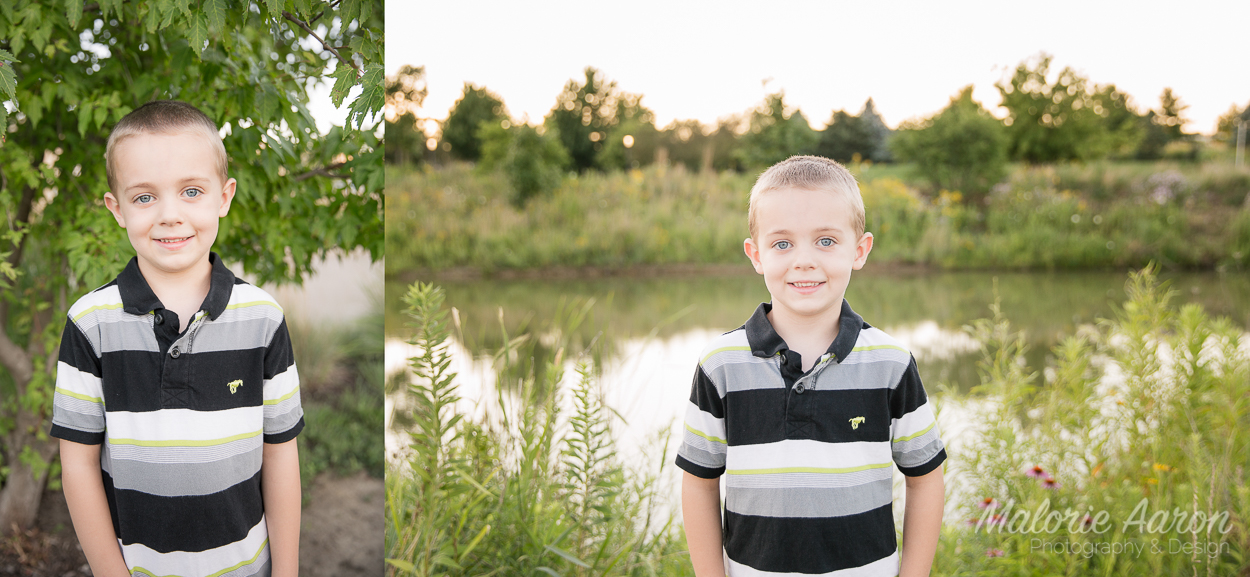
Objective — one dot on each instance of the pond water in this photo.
(651, 330)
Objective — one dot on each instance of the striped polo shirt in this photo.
(808, 457)
(182, 418)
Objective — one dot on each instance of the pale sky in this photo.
(705, 60)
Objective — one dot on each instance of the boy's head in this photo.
(807, 234)
(168, 185)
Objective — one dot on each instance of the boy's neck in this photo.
(810, 336)
(182, 293)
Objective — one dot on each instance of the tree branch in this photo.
(324, 171)
(324, 44)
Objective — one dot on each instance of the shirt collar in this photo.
(765, 342)
(138, 298)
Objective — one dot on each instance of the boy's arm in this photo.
(280, 489)
(922, 522)
(700, 509)
(89, 509)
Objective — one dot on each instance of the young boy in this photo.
(177, 398)
(805, 406)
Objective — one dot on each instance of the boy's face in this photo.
(806, 249)
(169, 196)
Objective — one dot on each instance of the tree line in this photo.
(596, 125)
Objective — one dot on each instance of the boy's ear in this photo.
(227, 193)
(753, 253)
(862, 248)
(114, 207)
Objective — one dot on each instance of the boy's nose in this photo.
(171, 212)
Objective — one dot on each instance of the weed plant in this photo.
(525, 489)
(1065, 216)
(1126, 455)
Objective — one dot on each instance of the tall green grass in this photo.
(1144, 418)
(528, 489)
(1067, 216)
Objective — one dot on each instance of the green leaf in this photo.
(100, 114)
(275, 8)
(73, 12)
(216, 14)
(197, 32)
(370, 100)
(303, 8)
(344, 79)
(8, 82)
(114, 5)
(402, 565)
(184, 6)
(567, 556)
(7, 56)
(84, 118)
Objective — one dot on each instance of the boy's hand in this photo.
(700, 508)
(280, 489)
(922, 522)
(89, 509)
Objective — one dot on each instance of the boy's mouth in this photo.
(173, 240)
(806, 284)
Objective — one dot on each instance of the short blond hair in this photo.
(163, 117)
(813, 173)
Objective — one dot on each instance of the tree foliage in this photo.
(776, 132)
(1064, 118)
(962, 148)
(405, 138)
(477, 106)
(72, 70)
(585, 115)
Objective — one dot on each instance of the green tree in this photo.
(845, 137)
(637, 122)
(477, 106)
(1226, 125)
(961, 148)
(686, 143)
(878, 134)
(532, 158)
(1053, 120)
(72, 70)
(585, 114)
(405, 138)
(1163, 126)
(776, 132)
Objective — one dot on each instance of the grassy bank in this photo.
(1087, 216)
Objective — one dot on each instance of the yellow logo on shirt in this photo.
(235, 384)
(855, 422)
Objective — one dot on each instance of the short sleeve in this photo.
(704, 445)
(78, 399)
(914, 437)
(284, 416)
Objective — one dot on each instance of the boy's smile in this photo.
(806, 251)
(169, 198)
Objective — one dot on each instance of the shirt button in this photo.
(174, 353)
(799, 388)
(783, 358)
(159, 319)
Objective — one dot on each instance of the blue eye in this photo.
(781, 245)
(193, 192)
(826, 241)
(144, 199)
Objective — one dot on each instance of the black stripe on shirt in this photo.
(188, 523)
(758, 416)
(810, 545)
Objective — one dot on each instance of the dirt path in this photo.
(341, 534)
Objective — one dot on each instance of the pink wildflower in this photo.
(1037, 472)
(994, 553)
(988, 503)
(1050, 483)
